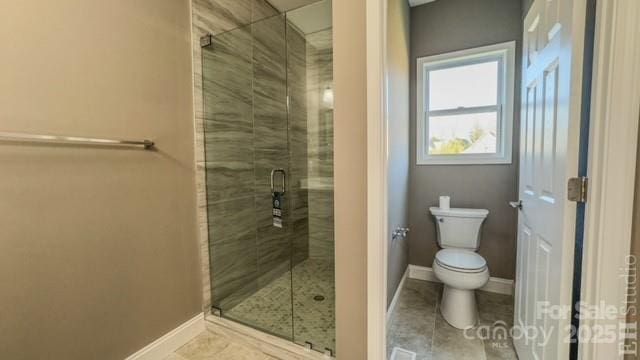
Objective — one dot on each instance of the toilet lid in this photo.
(461, 260)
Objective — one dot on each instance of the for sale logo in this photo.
(613, 324)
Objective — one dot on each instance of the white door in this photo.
(551, 90)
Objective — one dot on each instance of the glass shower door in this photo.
(246, 137)
(310, 83)
(268, 134)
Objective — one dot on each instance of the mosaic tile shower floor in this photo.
(313, 319)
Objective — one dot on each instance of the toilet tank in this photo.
(459, 228)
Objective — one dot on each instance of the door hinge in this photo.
(577, 189)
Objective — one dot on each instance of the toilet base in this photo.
(458, 307)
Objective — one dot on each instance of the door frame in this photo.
(615, 109)
(377, 165)
(613, 141)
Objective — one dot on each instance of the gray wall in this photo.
(98, 249)
(398, 119)
(445, 26)
(526, 5)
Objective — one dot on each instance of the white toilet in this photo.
(457, 264)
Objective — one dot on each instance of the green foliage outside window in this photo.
(456, 145)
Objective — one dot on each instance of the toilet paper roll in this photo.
(445, 202)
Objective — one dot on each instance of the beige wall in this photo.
(398, 137)
(98, 248)
(350, 149)
(635, 244)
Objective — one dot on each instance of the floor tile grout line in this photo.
(435, 320)
(484, 353)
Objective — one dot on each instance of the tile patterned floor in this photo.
(269, 309)
(207, 346)
(417, 325)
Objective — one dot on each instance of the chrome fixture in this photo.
(516, 204)
(399, 232)
(277, 198)
(21, 137)
(328, 352)
(206, 40)
(284, 180)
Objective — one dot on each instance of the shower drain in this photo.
(318, 298)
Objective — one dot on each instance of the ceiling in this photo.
(419, 2)
(316, 17)
(312, 18)
(286, 5)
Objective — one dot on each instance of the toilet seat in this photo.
(461, 260)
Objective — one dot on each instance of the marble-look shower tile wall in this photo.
(241, 134)
(229, 165)
(298, 143)
(213, 17)
(269, 142)
(274, 45)
(320, 143)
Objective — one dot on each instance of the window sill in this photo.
(464, 161)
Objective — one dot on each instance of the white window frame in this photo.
(504, 53)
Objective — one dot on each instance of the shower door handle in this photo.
(284, 180)
(277, 198)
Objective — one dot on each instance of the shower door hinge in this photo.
(206, 40)
(216, 311)
(577, 188)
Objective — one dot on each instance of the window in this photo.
(465, 106)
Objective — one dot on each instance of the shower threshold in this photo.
(269, 344)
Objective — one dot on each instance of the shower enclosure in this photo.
(268, 128)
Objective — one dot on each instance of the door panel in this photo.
(548, 141)
(528, 146)
(552, 40)
(532, 40)
(522, 313)
(552, 18)
(543, 279)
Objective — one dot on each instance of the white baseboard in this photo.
(171, 341)
(396, 294)
(422, 273)
(495, 285)
(499, 285)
